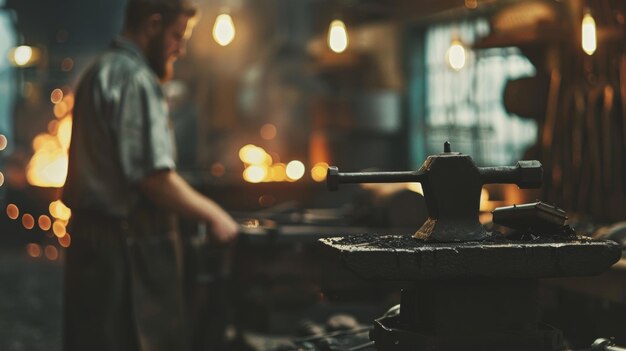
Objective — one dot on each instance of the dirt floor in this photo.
(30, 301)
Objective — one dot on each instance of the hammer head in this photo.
(530, 174)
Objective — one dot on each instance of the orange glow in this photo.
(48, 166)
(268, 131)
(3, 142)
(28, 221)
(279, 172)
(47, 169)
(65, 240)
(53, 127)
(44, 222)
(69, 100)
(275, 157)
(319, 151)
(44, 141)
(65, 133)
(51, 252)
(318, 172)
(295, 170)
(218, 169)
(1, 179)
(255, 174)
(253, 155)
(58, 228)
(58, 210)
(484, 200)
(471, 4)
(415, 187)
(56, 96)
(12, 211)
(67, 64)
(60, 109)
(33, 250)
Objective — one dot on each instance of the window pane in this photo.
(466, 106)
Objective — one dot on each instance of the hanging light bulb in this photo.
(456, 55)
(589, 42)
(24, 56)
(224, 29)
(337, 36)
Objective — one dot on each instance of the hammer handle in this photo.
(526, 174)
(499, 175)
(334, 178)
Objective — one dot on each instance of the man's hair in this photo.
(139, 10)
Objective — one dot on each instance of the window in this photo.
(466, 106)
(7, 80)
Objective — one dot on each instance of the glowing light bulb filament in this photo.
(589, 41)
(224, 29)
(456, 55)
(22, 55)
(337, 36)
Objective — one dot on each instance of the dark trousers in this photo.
(122, 287)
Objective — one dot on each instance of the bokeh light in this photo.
(268, 131)
(224, 29)
(56, 96)
(471, 4)
(68, 98)
(318, 172)
(65, 240)
(33, 250)
(51, 252)
(589, 37)
(58, 210)
(218, 169)
(12, 211)
(22, 55)
(3, 142)
(67, 64)
(44, 222)
(28, 221)
(252, 154)
(278, 172)
(255, 174)
(61, 109)
(295, 170)
(53, 127)
(456, 55)
(58, 228)
(337, 36)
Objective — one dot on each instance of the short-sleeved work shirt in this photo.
(121, 132)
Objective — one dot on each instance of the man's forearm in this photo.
(169, 190)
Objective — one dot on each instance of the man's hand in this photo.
(223, 228)
(168, 190)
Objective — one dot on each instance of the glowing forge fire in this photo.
(48, 166)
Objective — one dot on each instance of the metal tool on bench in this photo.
(465, 288)
(452, 184)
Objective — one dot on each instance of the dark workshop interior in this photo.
(407, 175)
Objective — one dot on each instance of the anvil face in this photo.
(404, 258)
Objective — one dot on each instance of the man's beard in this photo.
(161, 66)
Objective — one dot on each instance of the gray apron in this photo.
(127, 275)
